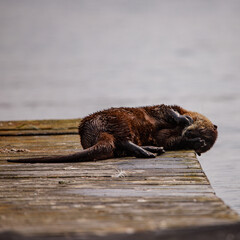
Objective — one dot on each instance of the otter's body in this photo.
(139, 132)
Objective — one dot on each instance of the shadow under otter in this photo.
(142, 132)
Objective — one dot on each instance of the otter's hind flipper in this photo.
(136, 150)
(153, 149)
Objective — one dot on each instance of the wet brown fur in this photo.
(140, 132)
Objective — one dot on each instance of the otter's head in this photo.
(201, 128)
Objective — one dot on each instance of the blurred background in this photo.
(68, 58)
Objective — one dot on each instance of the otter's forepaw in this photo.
(196, 143)
(185, 120)
(181, 119)
(190, 120)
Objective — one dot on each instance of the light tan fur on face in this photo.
(200, 122)
(202, 128)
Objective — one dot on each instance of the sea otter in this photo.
(141, 132)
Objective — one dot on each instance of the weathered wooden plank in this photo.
(115, 197)
(39, 127)
(39, 124)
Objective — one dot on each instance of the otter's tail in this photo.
(75, 157)
(100, 151)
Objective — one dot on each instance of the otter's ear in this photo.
(215, 126)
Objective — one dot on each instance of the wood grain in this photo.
(98, 199)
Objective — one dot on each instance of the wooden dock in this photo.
(168, 197)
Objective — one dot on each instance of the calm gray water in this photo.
(66, 59)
